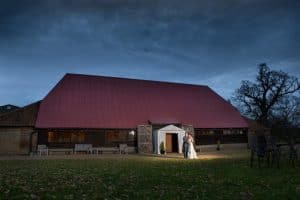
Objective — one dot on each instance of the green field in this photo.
(139, 177)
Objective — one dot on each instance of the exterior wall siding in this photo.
(97, 137)
(189, 128)
(226, 136)
(15, 140)
(23, 140)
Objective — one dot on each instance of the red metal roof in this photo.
(85, 101)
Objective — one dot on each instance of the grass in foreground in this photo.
(146, 178)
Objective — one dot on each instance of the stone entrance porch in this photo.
(149, 137)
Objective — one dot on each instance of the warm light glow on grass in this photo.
(213, 175)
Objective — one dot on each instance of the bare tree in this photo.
(287, 112)
(258, 99)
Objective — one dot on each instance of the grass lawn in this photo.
(138, 177)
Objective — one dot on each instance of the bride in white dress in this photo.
(191, 150)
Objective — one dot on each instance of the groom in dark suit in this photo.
(185, 145)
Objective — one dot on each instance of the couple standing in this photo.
(188, 147)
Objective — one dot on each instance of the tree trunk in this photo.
(263, 119)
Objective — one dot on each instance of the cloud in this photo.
(196, 41)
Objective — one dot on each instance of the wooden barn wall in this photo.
(96, 137)
(226, 136)
(15, 140)
(189, 129)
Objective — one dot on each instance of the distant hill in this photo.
(7, 108)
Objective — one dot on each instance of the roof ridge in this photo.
(22, 108)
(134, 79)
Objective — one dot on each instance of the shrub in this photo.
(162, 148)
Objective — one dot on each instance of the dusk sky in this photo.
(215, 43)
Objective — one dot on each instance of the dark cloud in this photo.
(217, 43)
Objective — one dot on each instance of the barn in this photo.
(108, 111)
(17, 130)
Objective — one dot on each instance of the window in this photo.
(226, 132)
(204, 132)
(59, 137)
(77, 137)
(111, 136)
(233, 132)
(116, 136)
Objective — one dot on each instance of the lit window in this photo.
(58, 137)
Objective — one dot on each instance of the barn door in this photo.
(169, 143)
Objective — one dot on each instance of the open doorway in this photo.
(171, 143)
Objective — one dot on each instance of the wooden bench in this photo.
(82, 147)
(109, 149)
(95, 150)
(61, 150)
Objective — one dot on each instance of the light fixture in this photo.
(131, 133)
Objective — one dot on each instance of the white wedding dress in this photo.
(191, 150)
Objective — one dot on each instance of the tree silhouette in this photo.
(286, 112)
(258, 99)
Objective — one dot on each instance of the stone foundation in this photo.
(144, 139)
